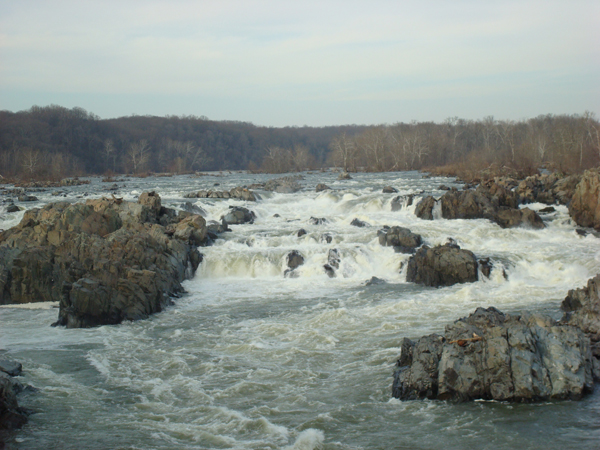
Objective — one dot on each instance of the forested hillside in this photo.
(53, 142)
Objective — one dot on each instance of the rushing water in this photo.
(249, 359)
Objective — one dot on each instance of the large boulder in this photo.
(105, 261)
(585, 204)
(494, 356)
(402, 239)
(238, 215)
(582, 309)
(510, 218)
(443, 265)
(424, 209)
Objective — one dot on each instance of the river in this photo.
(250, 359)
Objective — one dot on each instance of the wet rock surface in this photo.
(443, 265)
(582, 309)
(494, 356)
(11, 415)
(585, 203)
(104, 260)
(402, 239)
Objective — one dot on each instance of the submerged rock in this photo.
(105, 260)
(443, 265)
(494, 356)
(293, 260)
(322, 187)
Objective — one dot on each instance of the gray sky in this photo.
(307, 62)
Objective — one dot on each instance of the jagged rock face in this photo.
(496, 204)
(547, 189)
(582, 309)
(443, 265)
(491, 355)
(585, 204)
(105, 261)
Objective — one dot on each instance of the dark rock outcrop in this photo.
(238, 215)
(317, 220)
(582, 309)
(402, 239)
(239, 193)
(401, 201)
(105, 260)
(424, 209)
(293, 260)
(322, 187)
(491, 355)
(358, 223)
(389, 190)
(11, 415)
(585, 204)
(333, 262)
(443, 265)
(495, 203)
(284, 185)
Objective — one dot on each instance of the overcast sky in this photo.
(303, 62)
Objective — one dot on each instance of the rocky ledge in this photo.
(494, 356)
(104, 260)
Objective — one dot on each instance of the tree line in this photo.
(53, 142)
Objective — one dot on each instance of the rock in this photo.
(193, 209)
(344, 176)
(374, 281)
(358, 223)
(294, 259)
(402, 239)
(104, 261)
(333, 262)
(326, 238)
(317, 220)
(442, 266)
(322, 187)
(239, 215)
(495, 204)
(496, 356)
(585, 204)
(402, 201)
(301, 232)
(240, 193)
(11, 415)
(27, 198)
(284, 185)
(389, 190)
(547, 210)
(11, 368)
(443, 187)
(424, 209)
(510, 218)
(582, 309)
(12, 208)
(486, 267)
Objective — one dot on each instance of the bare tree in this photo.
(344, 152)
(139, 154)
(31, 160)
